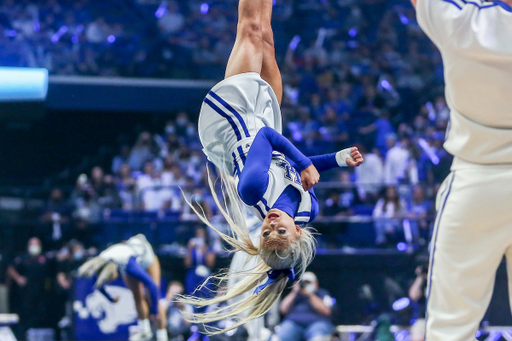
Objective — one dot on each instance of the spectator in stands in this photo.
(399, 166)
(31, 273)
(199, 261)
(69, 259)
(56, 217)
(142, 151)
(97, 31)
(122, 158)
(149, 188)
(369, 177)
(307, 312)
(417, 294)
(387, 215)
(172, 20)
(419, 210)
(126, 186)
(178, 327)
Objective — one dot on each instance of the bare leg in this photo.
(246, 55)
(137, 290)
(269, 70)
(155, 272)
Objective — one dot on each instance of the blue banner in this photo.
(96, 318)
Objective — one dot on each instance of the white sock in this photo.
(342, 156)
(144, 325)
(161, 335)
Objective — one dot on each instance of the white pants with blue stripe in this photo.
(473, 231)
(232, 114)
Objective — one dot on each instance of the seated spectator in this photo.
(142, 151)
(199, 261)
(172, 20)
(126, 186)
(56, 216)
(419, 210)
(177, 326)
(307, 312)
(399, 166)
(369, 175)
(387, 214)
(122, 158)
(149, 189)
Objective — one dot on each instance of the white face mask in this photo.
(34, 250)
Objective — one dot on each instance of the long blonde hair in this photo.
(297, 254)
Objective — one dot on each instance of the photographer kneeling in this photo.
(307, 312)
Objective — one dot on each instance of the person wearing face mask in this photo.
(307, 310)
(30, 272)
(69, 259)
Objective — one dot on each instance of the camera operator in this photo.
(417, 294)
(307, 312)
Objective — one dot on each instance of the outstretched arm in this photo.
(134, 270)
(253, 179)
(347, 157)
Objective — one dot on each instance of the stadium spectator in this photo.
(122, 158)
(199, 261)
(177, 326)
(142, 151)
(419, 210)
(172, 20)
(399, 166)
(307, 312)
(31, 272)
(56, 217)
(369, 177)
(69, 259)
(417, 294)
(386, 214)
(126, 186)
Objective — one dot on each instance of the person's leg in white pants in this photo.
(473, 230)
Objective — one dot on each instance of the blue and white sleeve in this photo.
(253, 180)
(134, 270)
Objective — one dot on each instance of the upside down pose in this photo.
(139, 268)
(240, 128)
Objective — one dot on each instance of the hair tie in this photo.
(273, 275)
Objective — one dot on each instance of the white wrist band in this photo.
(342, 156)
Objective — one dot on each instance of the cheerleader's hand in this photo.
(309, 177)
(355, 158)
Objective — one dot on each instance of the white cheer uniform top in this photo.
(137, 246)
(475, 40)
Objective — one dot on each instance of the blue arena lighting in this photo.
(205, 8)
(111, 38)
(56, 37)
(161, 10)
(352, 32)
(401, 246)
(403, 19)
(401, 303)
(23, 84)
